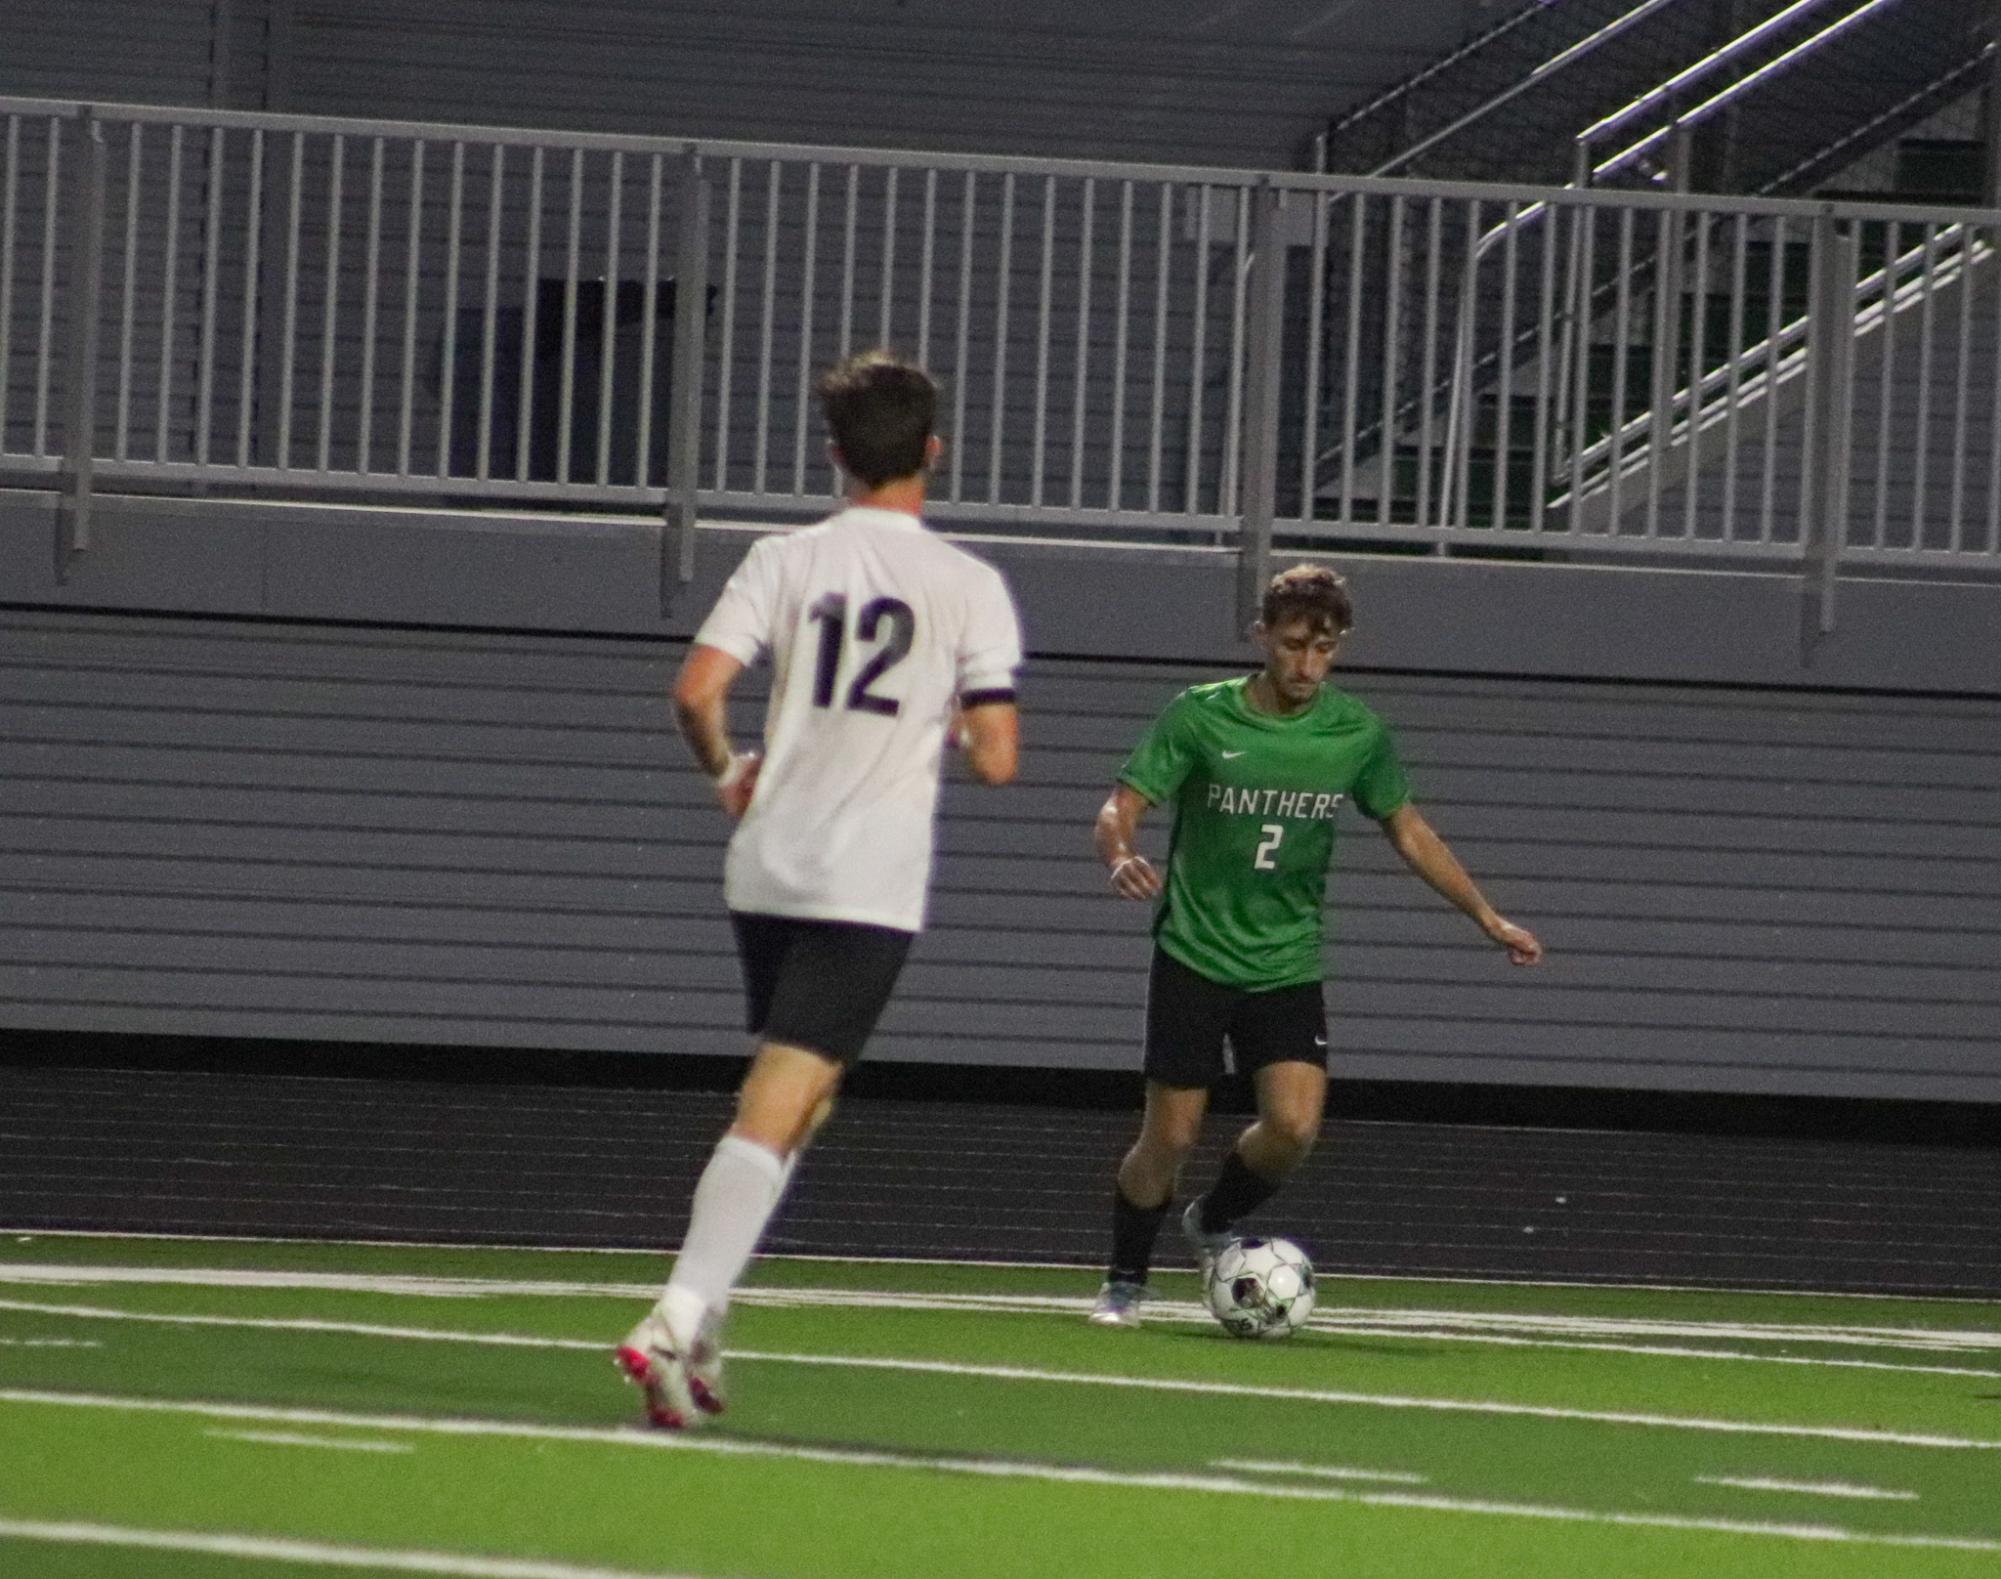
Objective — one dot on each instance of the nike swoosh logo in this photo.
(1226, 755)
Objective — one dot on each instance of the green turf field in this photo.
(198, 1408)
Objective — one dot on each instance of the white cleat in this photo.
(1205, 1247)
(1118, 1303)
(682, 1379)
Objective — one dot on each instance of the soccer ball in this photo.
(1261, 1288)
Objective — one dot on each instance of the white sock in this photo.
(735, 1198)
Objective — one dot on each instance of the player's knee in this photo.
(1167, 1146)
(1293, 1135)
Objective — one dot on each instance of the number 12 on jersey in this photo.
(831, 615)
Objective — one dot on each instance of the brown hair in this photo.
(880, 412)
(1310, 592)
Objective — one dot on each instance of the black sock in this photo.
(1238, 1192)
(1134, 1229)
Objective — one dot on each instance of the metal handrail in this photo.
(1688, 120)
(1885, 290)
(1682, 126)
(1218, 176)
(1118, 499)
(1687, 76)
(1587, 173)
(1955, 82)
(1557, 62)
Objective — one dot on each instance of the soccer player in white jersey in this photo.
(886, 644)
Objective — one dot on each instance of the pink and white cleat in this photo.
(682, 1380)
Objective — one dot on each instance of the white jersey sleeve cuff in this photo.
(745, 649)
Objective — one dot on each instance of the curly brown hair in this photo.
(1311, 592)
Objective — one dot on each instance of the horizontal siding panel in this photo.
(1696, 1048)
(580, 881)
(430, 1000)
(421, 661)
(331, 801)
(945, 963)
(129, 50)
(1368, 979)
(687, 843)
(231, 830)
(348, 701)
(144, 1017)
(184, 764)
(1412, 943)
(1581, 726)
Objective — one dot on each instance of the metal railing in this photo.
(1671, 139)
(1536, 77)
(319, 309)
(1659, 259)
(1586, 169)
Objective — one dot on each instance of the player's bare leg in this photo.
(1292, 1094)
(1169, 1128)
(675, 1353)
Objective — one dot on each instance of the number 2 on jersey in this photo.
(831, 613)
(1273, 832)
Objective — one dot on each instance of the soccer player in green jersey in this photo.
(1255, 769)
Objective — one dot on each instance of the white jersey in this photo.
(874, 627)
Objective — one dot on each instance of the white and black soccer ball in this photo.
(1261, 1288)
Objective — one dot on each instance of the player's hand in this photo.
(1134, 878)
(737, 782)
(1521, 944)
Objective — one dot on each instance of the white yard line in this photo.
(1014, 1373)
(1266, 1466)
(359, 1329)
(1431, 1326)
(1393, 1401)
(50, 1343)
(660, 1252)
(1662, 1351)
(317, 1553)
(1004, 1469)
(1810, 1488)
(1372, 1321)
(292, 1439)
(1944, 1338)
(58, 1274)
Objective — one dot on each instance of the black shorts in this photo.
(1188, 1017)
(820, 985)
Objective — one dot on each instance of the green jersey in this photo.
(1254, 799)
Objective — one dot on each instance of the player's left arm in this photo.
(986, 727)
(701, 708)
(1428, 855)
(986, 722)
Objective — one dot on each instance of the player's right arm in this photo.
(1132, 874)
(735, 635)
(1158, 766)
(701, 700)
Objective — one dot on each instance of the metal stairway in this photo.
(1505, 106)
(1826, 84)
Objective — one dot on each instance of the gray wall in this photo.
(216, 824)
(153, 51)
(1177, 80)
